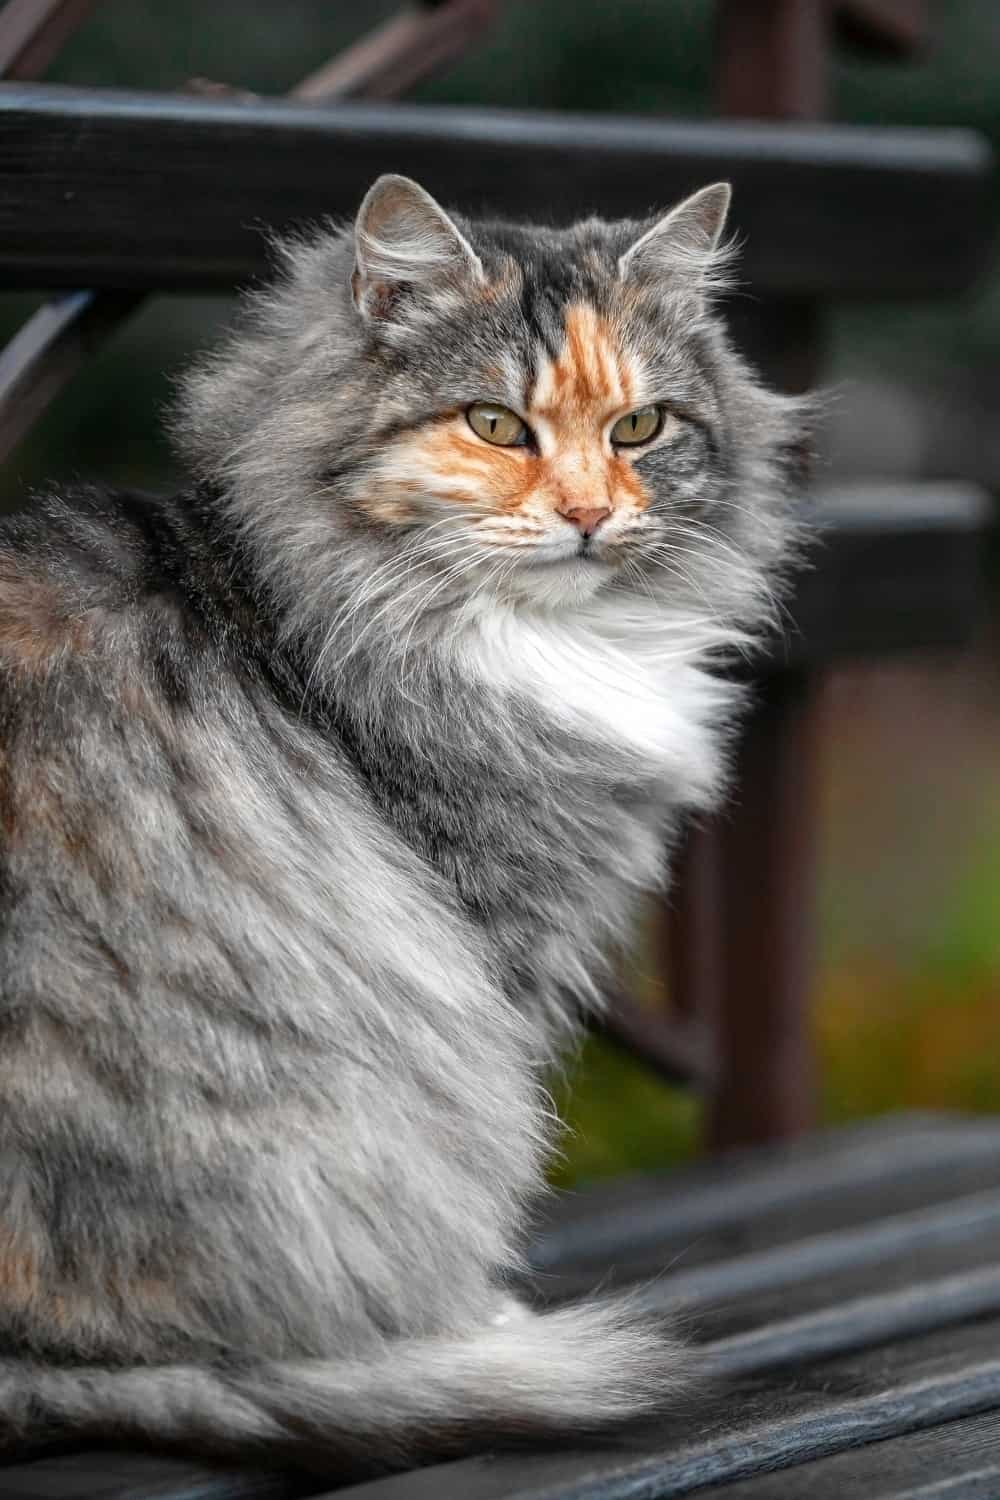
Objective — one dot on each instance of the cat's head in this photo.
(456, 410)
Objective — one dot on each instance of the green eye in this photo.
(496, 424)
(638, 426)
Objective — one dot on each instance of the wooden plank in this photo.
(107, 1474)
(751, 1198)
(895, 28)
(771, 59)
(33, 32)
(898, 566)
(758, 1425)
(49, 349)
(400, 52)
(862, 1323)
(91, 184)
(971, 1249)
(785, 1264)
(958, 1461)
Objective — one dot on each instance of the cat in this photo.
(329, 787)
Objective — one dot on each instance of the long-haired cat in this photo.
(328, 786)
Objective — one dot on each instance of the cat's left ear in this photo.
(403, 240)
(685, 244)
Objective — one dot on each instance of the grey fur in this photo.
(298, 900)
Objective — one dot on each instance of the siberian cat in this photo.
(328, 786)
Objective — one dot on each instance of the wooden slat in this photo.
(771, 59)
(760, 1424)
(966, 1250)
(897, 28)
(863, 1323)
(749, 1200)
(92, 185)
(32, 32)
(958, 1461)
(50, 348)
(103, 1474)
(784, 1264)
(899, 566)
(400, 52)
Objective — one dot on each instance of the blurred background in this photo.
(907, 997)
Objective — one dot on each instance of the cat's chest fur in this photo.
(542, 772)
(618, 675)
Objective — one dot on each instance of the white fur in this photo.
(624, 670)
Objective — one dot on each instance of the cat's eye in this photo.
(637, 426)
(497, 424)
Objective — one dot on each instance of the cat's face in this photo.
(426, 412)
(551, 425)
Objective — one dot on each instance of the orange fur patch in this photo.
(569, 407)
(589, 379)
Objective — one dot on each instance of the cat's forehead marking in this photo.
(590, 375)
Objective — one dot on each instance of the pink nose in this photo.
(587, 518)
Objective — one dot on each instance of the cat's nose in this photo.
(586, 518)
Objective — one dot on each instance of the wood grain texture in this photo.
(959, 1461)
(752, 1199)
(153, 191)
(112, 1475)
(896, 566)
(753, 1426)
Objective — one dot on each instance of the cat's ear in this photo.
(403, 239)
(685, 243)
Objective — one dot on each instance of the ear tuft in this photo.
(685, 242)
(403, 238)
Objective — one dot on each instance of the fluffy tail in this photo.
(576, 1370)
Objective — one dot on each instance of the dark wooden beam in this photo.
(771, 58)
(898, 566)
(47, 352)
(400, 53)
(894, 28)
(32, 32)
(677, 1051)
(147, 191)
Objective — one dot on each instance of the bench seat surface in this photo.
(845, 1294)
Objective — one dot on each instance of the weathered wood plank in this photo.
(758, 1425)
(752, 1199)
(92, 184)
(898, 566)
(959, 1461)
(106, 1474)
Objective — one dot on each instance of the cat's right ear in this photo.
(404, 240)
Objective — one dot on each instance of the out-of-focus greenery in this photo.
(908, 1003)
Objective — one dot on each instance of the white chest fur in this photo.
(624, 673)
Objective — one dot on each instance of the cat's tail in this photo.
(576, 1370)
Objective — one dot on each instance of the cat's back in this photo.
(88, 580)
